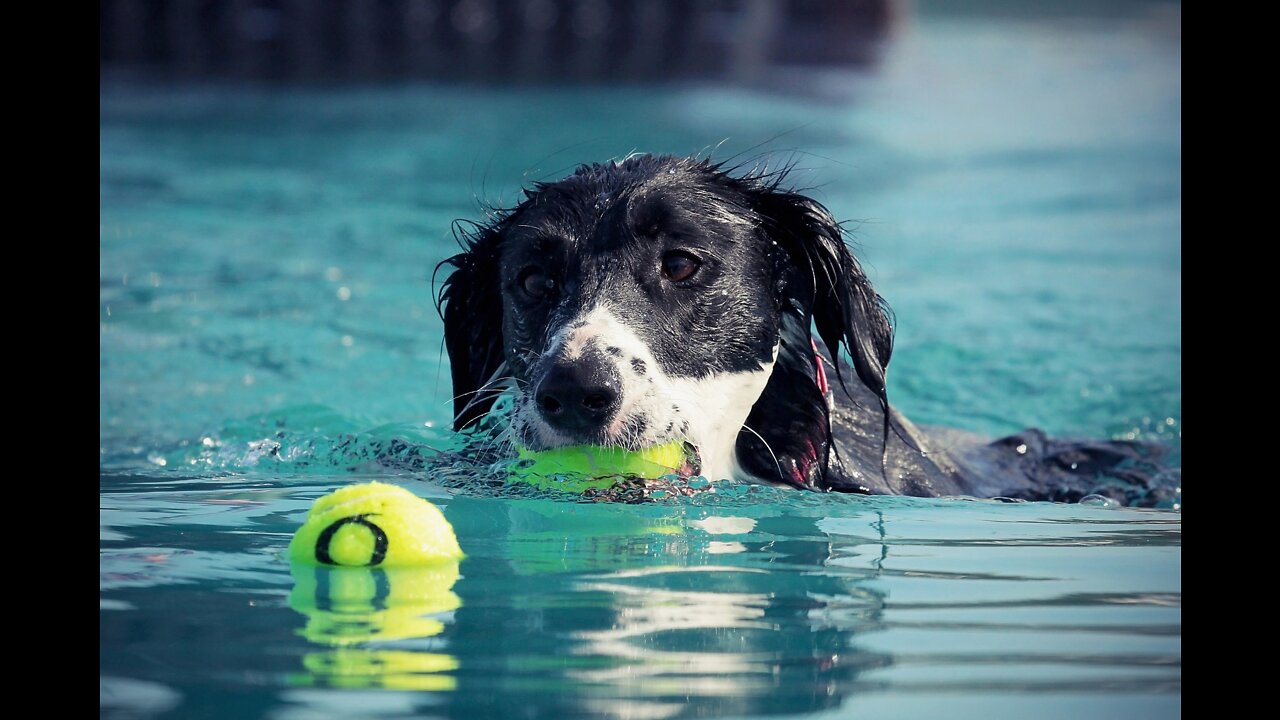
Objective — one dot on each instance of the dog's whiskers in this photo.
(766, 447)
(486, 388)
(497, 377)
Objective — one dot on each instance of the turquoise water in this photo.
(267, 327)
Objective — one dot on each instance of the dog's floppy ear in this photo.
(787, 436)
(827, 281)
(471, 305)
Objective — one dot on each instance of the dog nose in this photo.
(579, 396)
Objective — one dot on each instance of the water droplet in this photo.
(344, 293)
(348, 341)
(1022, 449)
(1098, 501)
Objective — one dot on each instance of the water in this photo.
(267, 325)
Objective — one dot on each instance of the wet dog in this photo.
(660, 299)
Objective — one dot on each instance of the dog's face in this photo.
(648, 301)
(638, 308)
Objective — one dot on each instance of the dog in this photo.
(667, 299)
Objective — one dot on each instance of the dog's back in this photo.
(930, 461)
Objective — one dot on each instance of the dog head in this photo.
(662, 299)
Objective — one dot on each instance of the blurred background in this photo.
(504, 41)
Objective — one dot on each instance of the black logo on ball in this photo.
(326, 537)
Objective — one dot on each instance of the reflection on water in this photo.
(362, 612)
(681, 610)
(627, 616)
(616, 612)
(789, 604)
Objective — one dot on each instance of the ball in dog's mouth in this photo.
(580, 467)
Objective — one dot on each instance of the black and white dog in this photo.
(661, 299)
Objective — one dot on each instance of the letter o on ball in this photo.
(323, 542)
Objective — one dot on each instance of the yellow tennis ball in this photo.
(596, 466)
(374, 525)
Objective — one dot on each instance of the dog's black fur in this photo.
(769, 267)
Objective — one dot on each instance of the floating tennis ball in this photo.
(374, 524)
(594, 466)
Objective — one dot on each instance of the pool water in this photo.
(268, 330)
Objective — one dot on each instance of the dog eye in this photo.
(678, 266)
(535, 282)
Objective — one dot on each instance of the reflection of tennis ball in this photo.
(379, 668)
(601, 466)
(374, 524)
(346, 606)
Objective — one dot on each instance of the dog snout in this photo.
(580, 396)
